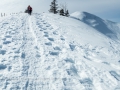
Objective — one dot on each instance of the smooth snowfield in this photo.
(51, 52)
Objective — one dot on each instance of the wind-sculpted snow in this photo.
(51, 52)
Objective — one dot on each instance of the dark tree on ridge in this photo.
(67, 13)
(61, 12)
(53, 7)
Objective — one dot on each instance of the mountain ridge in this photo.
(104, 26)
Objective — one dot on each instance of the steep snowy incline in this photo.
(51, 52)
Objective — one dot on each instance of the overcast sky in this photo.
(106, 9)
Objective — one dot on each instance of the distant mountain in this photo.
(108, 28)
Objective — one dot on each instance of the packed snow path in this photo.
(36, 55)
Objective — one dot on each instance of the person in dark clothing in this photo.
(29, 9)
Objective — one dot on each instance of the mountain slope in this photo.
(51, 52)
(108, 28)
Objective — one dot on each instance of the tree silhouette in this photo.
(67, 13)
(62, 12)
(53, 7)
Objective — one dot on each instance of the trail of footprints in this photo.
(7, 42)
(10, 54)
(49, 36)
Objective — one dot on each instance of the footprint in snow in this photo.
(46, 33)
(44, 28)
(115, 75)
(2, 67)
(11, 28)
(0, 46)
(42, 20)
(72, 47)
(38, 55)
(87, 83)
(9, 68)
(6, 42)
(49, 44)
(41, 29)
(106, 63)
(48, 25)
(3, 39)
(8, 36)
(5, 23)
(48, 68)
(7, 39)
(53, 53)
(57, 48)
(46, 36)
(44, 23)
(50, 28)
(55, 32)
(72, 71)
(51, 39)
(12, 32)
(3, 52)
(23, 55)
(38, 23)
(16, 57)
(119, 61)
(61, 37)
(40, 26)
(16, 51)
(69, 60)
(36, 47)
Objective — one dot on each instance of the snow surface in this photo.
(52, 52)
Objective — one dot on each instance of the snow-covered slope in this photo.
(110, 29)
(51, 52)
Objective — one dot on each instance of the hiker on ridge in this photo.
(29, 9)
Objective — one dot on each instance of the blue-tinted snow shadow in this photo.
(54, 53)
(23, 55)
(2, 52)
(69, 60)
(6, 42)
(2, 66)
(51, 39)
(57, 48)
(115, 75)
(49, 44)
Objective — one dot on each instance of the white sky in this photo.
(106, 9)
